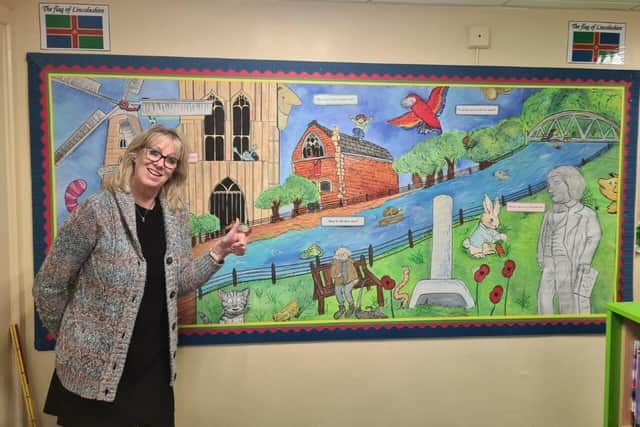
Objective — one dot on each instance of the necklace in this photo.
(146, 212)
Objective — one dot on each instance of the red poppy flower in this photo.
(388, 283)
(509, 268)
(496, 294)
(481, 273)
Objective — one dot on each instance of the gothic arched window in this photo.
(312, 147)
(214, 132)
(241, 127)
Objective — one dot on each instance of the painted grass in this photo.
(522, 231)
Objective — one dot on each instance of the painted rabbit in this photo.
(482, 241)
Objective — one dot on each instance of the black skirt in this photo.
(136, 404)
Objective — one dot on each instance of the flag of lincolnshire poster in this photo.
(596, 42)
(74, 26)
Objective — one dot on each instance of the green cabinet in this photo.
(623, 328)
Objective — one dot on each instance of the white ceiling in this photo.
(534, 4)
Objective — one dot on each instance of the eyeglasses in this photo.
(170, 162)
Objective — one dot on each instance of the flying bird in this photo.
(424, 114)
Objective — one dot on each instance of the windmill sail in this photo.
(80, 135)
(82, 83)
(133, 87)
(86, 85)
(171, 107)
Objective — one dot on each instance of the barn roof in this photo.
(357, 146)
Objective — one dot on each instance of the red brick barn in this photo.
(344, 167)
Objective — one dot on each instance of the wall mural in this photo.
(385, 200)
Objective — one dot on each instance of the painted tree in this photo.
(510, 134)
(209, 223)
(196, 228)
(402, 165)
(481, 146)
(535, 108)
(300, 190)
(430, 163)
(272, 198)
(607, 102)
(450, 146)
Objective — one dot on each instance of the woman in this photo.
(108, 290)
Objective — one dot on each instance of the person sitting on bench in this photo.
(345, 277)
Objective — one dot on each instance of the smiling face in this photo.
(152, 175)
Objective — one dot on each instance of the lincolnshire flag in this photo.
(600, 43)
(74, 26)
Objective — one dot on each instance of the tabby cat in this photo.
(234, 305)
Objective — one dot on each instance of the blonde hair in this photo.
(120, 180)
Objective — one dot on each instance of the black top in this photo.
(144, 394)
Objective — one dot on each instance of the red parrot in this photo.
(423, 114)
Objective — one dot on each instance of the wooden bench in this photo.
(323, 282)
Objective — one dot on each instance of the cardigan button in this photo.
(169, 260)
(172, 294)
(173, 326)
(106, 392)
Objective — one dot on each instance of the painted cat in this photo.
(234, 305)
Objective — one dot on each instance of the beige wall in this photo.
(524, 381)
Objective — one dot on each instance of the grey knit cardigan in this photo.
(88, 290)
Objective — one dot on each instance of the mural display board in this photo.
(384, 200)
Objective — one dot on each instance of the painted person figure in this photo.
(109, 286)
(345, 277)
(568, 240)
(360, 122)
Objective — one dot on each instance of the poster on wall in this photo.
(74, 26)
(385, 201)
(596, 42)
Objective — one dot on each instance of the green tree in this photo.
(607, 102)
(272, 198)
(196, 227)
(510, 134)
(209, 223)
(481, 145)
(450, 146)
(535, 108)
(404, 165)
(300, 190)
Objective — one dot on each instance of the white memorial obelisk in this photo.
(441, 289)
